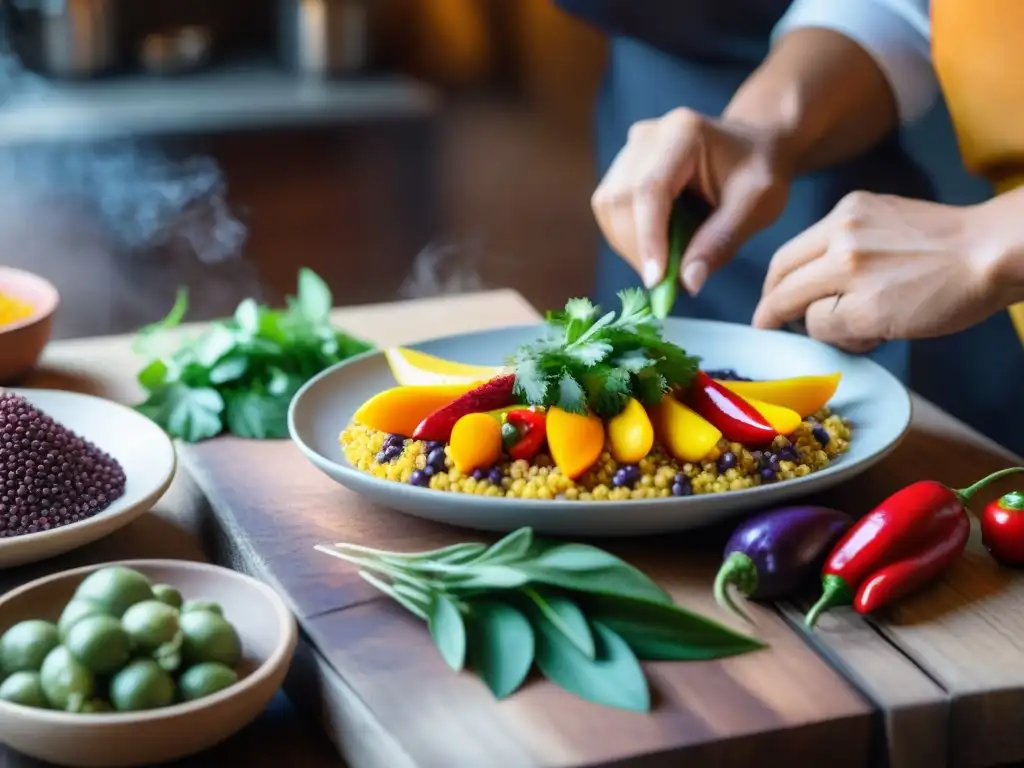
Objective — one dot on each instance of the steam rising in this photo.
(440, 270)
(118, 224)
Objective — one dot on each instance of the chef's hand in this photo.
(879, 268)
(738, 171)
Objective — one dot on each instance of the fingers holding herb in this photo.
(240, 374)
(583, 616)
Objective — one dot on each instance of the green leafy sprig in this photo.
(239, 375)
(583, 617)
(591, 360)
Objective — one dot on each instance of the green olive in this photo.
(67, 683)
(202, 605)
(77, 610)
(100, 643)
(116, 588)
(24, 646)
(168, 594)
(209, 637)
(141, 685)
(205, 680)
(151, 624)
(24, 688)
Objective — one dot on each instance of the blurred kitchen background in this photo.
(397, 147)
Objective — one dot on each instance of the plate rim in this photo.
(111, 512)
(327, 465)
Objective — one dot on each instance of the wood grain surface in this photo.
(937, 682)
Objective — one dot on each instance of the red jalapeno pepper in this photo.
(906, 541)
(1002, 529)
(734, 417)
(524, 433)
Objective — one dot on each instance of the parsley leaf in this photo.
(193, 414)
(589, 360)
(240, 374)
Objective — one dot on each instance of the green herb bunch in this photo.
(582, 616)
(240, 374)
(591, 360)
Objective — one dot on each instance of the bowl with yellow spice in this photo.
(27, 305)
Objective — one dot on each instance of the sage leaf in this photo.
(566, 617)
(501, 646)
(464, 554)
(448, 631)
(614, 678)
(583, 568)
(482, 578)
(660, 632)
(510, 548)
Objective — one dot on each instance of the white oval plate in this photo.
(144, 450)
(875, 400)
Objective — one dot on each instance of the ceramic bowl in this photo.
(268, 633)
(878, 405)
(143, 449)
(22, 342)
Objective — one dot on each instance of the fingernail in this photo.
(652, 273)
(694, 276)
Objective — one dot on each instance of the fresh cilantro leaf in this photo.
(530, 381)
(190, 414)
(588, 353)
(254, 362)
(632, 360)
(154, 375)
(314, 297)
(247, 315)
(649, 386)
(636, 310)
(607, 389)
(229, 369)
(257, 416)
(571, 396)
(607, 358)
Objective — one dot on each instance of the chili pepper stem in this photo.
(834, 592)
(1014, 501)
(965, 494)
(737, 569)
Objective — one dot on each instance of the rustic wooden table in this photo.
(937, 682)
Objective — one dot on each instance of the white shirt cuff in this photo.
(894, 32)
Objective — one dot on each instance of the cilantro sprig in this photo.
(239, 375)
(591, 360)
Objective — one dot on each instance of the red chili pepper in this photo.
(735, 418)
(531, 432)
(1002, 529)
(904, 542)
(489, 396)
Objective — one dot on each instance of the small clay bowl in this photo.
(268, 633)
(23, 341)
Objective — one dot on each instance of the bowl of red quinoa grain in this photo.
(28, 303)
(73, 469)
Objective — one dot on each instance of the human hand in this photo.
(738, 171)
(879, 268)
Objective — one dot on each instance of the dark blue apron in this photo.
(665, 54)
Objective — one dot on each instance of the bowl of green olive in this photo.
(138, 662)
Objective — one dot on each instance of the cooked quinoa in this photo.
(730, 467)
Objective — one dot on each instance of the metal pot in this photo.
(63, 38)
(323, 37)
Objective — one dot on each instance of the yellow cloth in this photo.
(978, 50)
